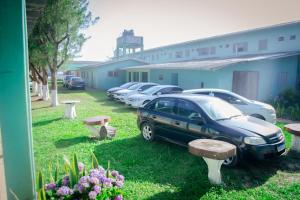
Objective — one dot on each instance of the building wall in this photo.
(270, 76)
(107, 75)
(279, 39)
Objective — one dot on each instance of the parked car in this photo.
(66, 80)
(122, 95)
(76, 82)
(146, 96)
(249, 107)
(110, 92)
(182, 118)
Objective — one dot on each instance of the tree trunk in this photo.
(45, 92)
(40, 89)
(54, 99)
(34, 87)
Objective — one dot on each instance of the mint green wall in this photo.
(15, 114)
(269, 71)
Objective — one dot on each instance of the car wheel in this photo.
(258, 116)
(231, 162)
(147, 131)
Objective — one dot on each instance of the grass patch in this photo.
(157, 170)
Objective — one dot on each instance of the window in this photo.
(212, 50)
(115, 74)
(144, 76)
(202, 85)
(229, 98)
(112, 73)
(227, 45)
(263, 45)
(203, 51)
(280, 39)
(283, 79)
(145, 87)
(175, 90)
(165, 106)
(293, 37)
(135, 76)
(186, 109)
(240, 47)
(187, 53)
(161, 77)
(129, 76)
(178, 54)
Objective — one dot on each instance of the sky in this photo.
(164, 22)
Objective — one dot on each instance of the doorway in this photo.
(245, 83)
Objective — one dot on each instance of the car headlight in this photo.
(254, 140)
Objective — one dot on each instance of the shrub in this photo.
(82, 184)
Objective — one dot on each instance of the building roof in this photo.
(211, 64)
(75, 65)
(103, 64)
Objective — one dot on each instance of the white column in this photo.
(214, 170)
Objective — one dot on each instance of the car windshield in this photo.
(69, 77)
(134, 87)
(77, 79)
(151, 90)
(218, 109)
(127, 85)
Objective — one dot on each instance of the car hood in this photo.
(114, 89)
(142, 96)
(251, 124)
(123, 91)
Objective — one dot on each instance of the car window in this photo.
(165, 106)
(176, 90)
(186, 109)
(145, 87)
(204, 93)
(229, 98)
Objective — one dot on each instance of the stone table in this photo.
(294, 129)
(214, 152)
(70, 111)
(104, 129)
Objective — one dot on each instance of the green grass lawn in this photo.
(157, 170)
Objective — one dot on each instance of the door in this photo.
(174, 79)
(161, 117)
(245, 83)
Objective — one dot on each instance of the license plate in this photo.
(280, 147)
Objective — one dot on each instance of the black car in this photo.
(110, 91)
(182, 118)
(76, 83)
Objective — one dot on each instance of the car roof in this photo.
(191, 97)
(207, 90)
(165, 86)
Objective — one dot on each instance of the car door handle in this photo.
(176, 123)
(153, 116)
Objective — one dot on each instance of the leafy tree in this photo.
(60, 25)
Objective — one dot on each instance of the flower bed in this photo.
(82, 184)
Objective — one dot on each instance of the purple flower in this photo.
(101, 169)
(97, 189)
(119, 197)
(50, 186)
(94, 180)
(65, 181)
(92, 195)
(120, 177)
(119, 184)
(80, 166)
(107, 182)
(114, 173)
(64, 191)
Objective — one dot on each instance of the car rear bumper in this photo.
(266, 151)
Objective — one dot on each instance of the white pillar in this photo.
(214, 170)
(70, 111)
(296, 143)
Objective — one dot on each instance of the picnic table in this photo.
(70, 110)
(294, 129)
(214, 152)
(99, 128)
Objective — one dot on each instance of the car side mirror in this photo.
(159, 93)
(139, 90)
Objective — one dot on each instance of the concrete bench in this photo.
(294, 129)
(214, 152)
(70, 111)
(99, 127)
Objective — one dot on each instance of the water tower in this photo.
(128, 43)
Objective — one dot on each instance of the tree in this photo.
(61, 25)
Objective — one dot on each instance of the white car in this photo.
(249, 107)
(137, 100)
(122, 95)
